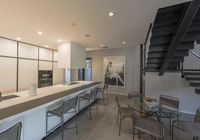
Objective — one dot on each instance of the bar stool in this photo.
(12, 133)
(89, 97)
(104, 92)
(68, 106)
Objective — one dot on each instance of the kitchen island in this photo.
(31, 111)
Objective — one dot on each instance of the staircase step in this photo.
(159, 60)
(193, 73)
(192, 77)
(159, 40)
(158, 65)
(172, 9)
(161, 54)
(195, 83)
(197, 90)
(156, 69)
(192, 36)
(194, 27)
(163, 31)
(167, 18)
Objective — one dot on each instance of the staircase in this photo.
(165, 27)
(168, 46)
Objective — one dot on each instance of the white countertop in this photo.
(24, 102)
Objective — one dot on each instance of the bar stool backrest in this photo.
(69, 104)
(197, 116)
(12, 133)
(169, 101)
(93, 93)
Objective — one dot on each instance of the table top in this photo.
(144, 108)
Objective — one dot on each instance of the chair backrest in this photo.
(69, 104)
(150, 127)
(169, 101)
(12, 133)
(197, 116)
(93, 93)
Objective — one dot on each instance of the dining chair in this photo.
(189, 127)
(67, 107)
(104, 92)
(153, 128)
(89, 97)
(122, 113)
(12, 133)
(169, 108)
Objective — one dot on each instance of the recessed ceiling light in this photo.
(19, 38)
(111, 14)
(123, 42)
(46, 46)
(59, 40)
(101, 45)
(39, 33)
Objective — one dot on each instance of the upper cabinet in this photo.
(46, 54)
(25, 49)
(8, 48)
(71, 56)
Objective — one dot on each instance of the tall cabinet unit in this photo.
(21, 62)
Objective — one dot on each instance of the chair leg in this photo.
(89, 109)
(117, 117)
(173, 131)
(120, 124)
(170, 126)
(133, 132)
(76, 125)
(46, 123)
(97, 108)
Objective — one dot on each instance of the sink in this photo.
(8, 97)
(71, 83)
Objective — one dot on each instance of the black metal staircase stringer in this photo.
(181, 31)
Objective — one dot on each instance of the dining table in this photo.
(147, 108)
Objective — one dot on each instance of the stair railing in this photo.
(145, 45)
(195, 57)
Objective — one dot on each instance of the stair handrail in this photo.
(195, 54)
(145, 44)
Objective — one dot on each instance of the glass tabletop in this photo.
(144, 108)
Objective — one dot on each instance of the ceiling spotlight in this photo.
(19, 38)
(39, 33)
(111, 14)
(123, 42)
(59, 40)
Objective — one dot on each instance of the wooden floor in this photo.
(103, 126)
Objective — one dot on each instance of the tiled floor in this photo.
(103, 126)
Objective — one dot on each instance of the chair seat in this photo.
(189, 127)
(57, 111)
(168, 113)
(126, 112)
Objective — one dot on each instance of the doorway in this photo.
(86, 73)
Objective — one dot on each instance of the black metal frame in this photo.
(18, 58)
(183, 26)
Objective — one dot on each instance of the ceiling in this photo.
(71, 20)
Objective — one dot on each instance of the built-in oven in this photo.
(45, 78)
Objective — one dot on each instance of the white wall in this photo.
(132, 69)
(173, 85)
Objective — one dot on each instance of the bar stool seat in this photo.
(12, 133)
